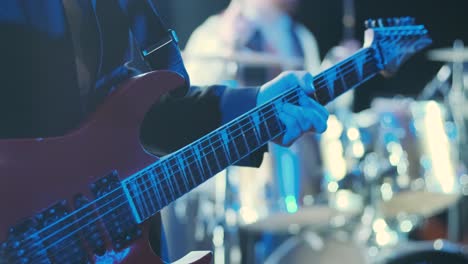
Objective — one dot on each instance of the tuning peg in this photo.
(401, 21)
(407, 21)
(381, 22)
(370, 23)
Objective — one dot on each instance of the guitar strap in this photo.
(159, 48)
(157, 44)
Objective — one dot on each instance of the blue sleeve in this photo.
(177, 121)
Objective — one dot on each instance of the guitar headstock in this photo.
(395, 40)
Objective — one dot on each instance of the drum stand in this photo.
(456, 101)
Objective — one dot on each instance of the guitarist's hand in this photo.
(298, 119)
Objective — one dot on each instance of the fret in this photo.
(209, 158)
(356, 69)
(271, 122)
(233, 151)
(199, 160)
(180, 164)
(352, 77)
(193, 166)
(359, 64)
(146, 195)
(264, 133)
(219, 149)
(253, 119)
(149, 190)
(141, 193)
(342, 87)
(135, 194)
(237, 140)
(245, 140)
(127, 190)
(154, 183)
(185, 171)
(177, 177)
(163, 185)
(248, 131)
(227, 149)
(170, 179)
(330, 79)
(293, 97)
(321, 93)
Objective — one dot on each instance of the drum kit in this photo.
(357, 191)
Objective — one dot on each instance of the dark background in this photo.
(446, 20)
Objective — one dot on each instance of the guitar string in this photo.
(345, 61)
(148, 189)
(321, 82)
(79, 219)
(125, 202)
(319, 78)
(254, 128)
(143, 206)
(183, 181)
(239, 159)
(175, 158)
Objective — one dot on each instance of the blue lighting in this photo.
(113, 257)
(291, 204)
(288, 169)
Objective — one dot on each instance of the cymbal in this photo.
(315, 216)
(410, 203)
(250, 58)
(448, 55)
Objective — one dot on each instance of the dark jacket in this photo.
(41, 96)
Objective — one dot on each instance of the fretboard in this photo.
(170, 178)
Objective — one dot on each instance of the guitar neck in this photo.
(160, 184)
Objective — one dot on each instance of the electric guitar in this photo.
(86, 197)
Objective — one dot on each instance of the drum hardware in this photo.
(448, 55)
(440, 84)
(397, 174)
(375, 181)
(456, 99)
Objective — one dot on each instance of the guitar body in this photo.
(35, 174)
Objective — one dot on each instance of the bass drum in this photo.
(433, 252)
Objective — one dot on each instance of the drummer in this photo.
(265, 26)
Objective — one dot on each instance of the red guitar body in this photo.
(37, 173)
